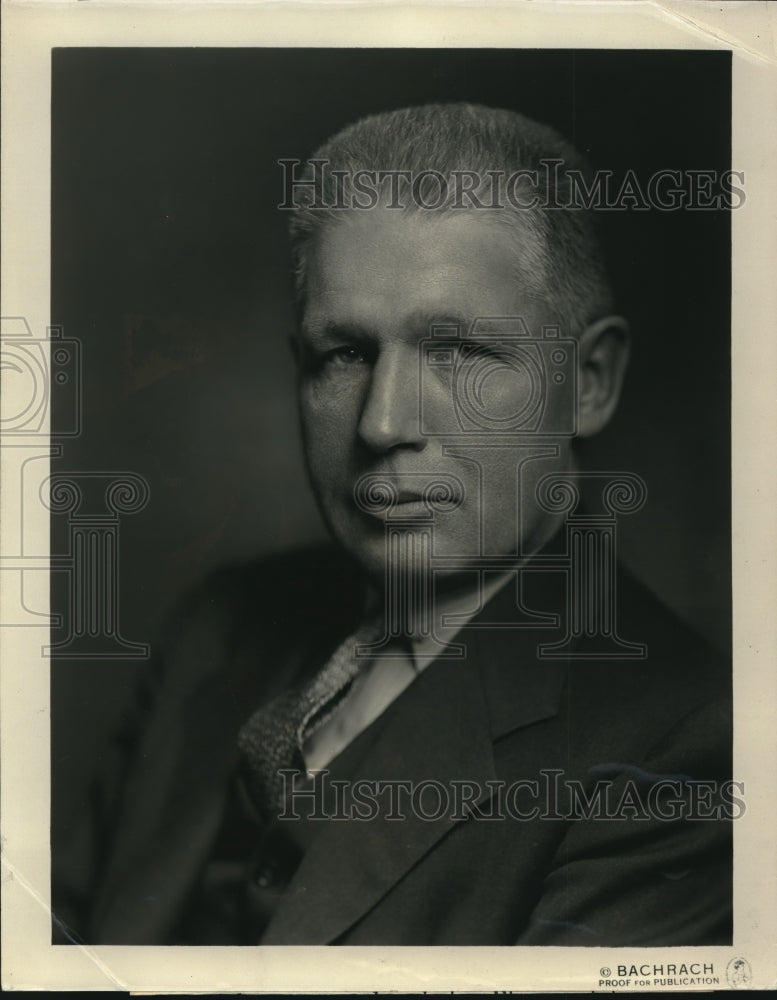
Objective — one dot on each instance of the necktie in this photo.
(271, 739)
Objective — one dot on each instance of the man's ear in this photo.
(603, 356)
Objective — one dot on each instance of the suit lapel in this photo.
(520, 688)
(441, 729)
(438, 730)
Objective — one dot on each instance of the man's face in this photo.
(376, 283)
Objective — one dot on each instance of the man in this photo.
(463, 724)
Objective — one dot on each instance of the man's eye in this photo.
(345, 356)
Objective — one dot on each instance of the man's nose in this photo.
(390, 414)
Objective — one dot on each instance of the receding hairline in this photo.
(467, 137)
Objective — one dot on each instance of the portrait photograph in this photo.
(378, 529)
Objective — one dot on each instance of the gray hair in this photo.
(452, 139)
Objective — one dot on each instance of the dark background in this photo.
(170, 265)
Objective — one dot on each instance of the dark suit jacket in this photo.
(500, 714)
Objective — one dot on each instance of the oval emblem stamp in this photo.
(738, 973)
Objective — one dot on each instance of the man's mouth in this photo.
(383, 497)
(408, 496)
(406, 503)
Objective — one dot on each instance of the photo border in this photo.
(31, 30)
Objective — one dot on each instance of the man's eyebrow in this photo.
(336, 330)
(419, 320)
(424, 319)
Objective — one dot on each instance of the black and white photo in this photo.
(377, 509)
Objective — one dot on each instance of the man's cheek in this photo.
(331, 406)
(327, 438)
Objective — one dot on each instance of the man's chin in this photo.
(381, 558)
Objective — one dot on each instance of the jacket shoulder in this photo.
(681, 677)
(260, 607)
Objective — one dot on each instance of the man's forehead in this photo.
(422, 271)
